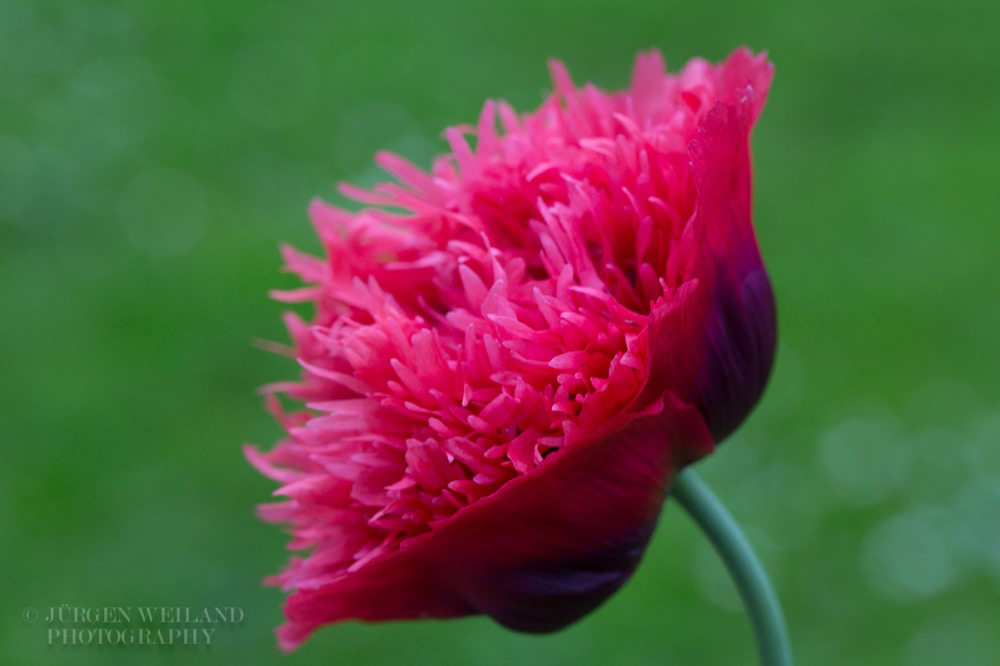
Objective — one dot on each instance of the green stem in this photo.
(751, 579)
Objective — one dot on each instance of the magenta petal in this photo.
(397, 586)
(540, 553)
(716, 347)
(738, 327)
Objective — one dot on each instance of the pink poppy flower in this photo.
(513, 354)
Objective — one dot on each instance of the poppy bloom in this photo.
(512, 355)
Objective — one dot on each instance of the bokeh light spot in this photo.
(866, 459)
(906, 558)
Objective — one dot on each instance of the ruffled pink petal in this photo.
(512, 353)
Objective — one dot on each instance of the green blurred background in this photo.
(154, 153)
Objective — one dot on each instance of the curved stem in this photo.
(751, 579)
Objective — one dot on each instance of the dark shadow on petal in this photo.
(741, 334)
(551, 595)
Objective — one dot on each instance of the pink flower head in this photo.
(513, 354)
